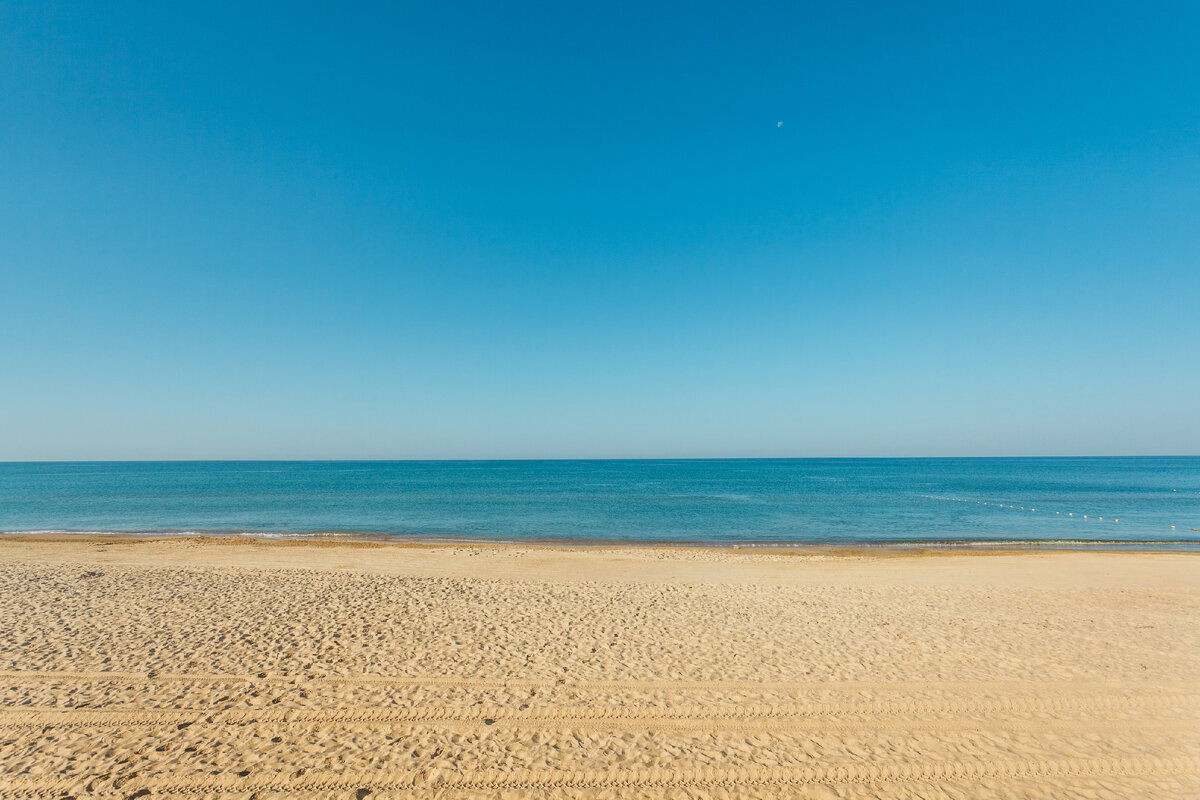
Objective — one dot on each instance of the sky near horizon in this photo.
(508, 230)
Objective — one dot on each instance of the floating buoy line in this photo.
(1007, 506)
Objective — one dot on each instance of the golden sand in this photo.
(198, 668)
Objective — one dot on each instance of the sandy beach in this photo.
(236, 668)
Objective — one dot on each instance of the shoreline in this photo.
(866, 546)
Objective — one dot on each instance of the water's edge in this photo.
(1138, 545)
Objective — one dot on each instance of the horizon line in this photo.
(566, 459)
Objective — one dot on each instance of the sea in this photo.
(1120, 502)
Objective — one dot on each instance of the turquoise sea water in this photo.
(711, 501)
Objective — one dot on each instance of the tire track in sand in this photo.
(567, 715)
(586, 685)
(533, 779)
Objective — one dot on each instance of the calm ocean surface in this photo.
(712, 501)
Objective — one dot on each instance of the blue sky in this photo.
(445, 230)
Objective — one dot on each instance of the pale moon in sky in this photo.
(778, 124)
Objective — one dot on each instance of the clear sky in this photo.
(441, 230)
